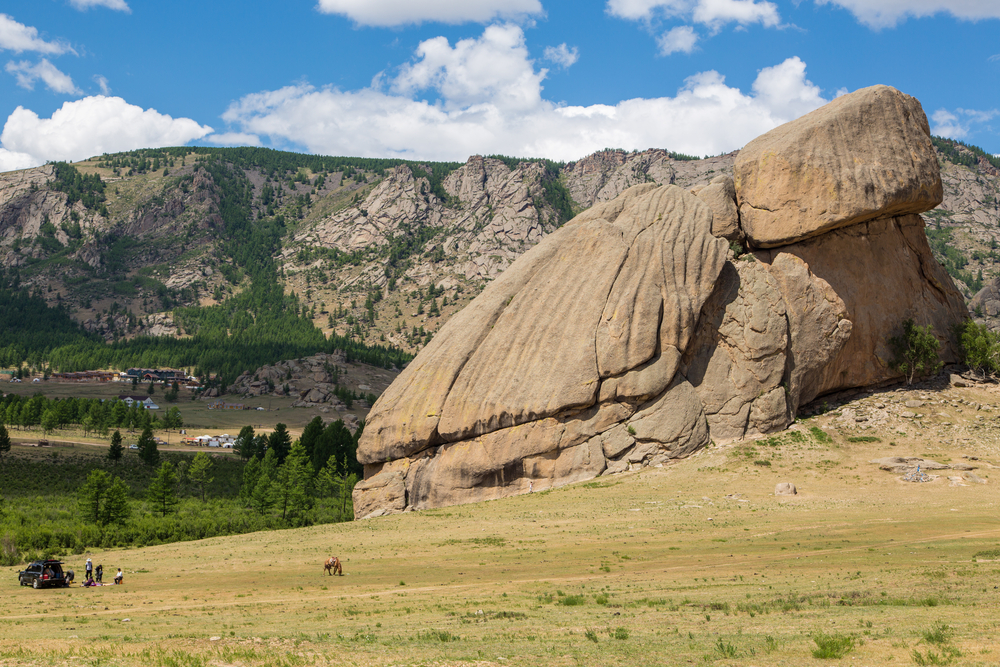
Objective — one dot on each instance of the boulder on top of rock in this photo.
(863, 156)
(633, 335)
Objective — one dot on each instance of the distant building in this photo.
(154, 375)
(144, 401)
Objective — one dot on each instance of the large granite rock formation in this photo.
(635, 335)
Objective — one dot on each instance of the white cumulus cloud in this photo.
(507, 113)
(887, 13)
(716, 13)
(18, 37)
(386, 13)
(87, 127)
(961, 122)
(234, 139)
(119, 5)
(680, 39)
(562, 55)
(10, 160)
(785, 91)
(494, 68)
(27, 73)
(712, 13)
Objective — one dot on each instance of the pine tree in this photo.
(311, 435)
(200, 472)
(93, 493)
(280, 442)
(116, 508)
(162, 492)
(244, 443)
(115, 451)
(290, 487)
(147, 448)
(4, 440)
(251, 473)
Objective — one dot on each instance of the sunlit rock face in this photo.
(636, 334)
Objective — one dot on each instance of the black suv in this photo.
(44, 573)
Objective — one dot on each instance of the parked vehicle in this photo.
(44, 574)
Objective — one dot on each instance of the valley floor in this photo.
(696, 563)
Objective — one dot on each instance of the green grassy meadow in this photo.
(694, 563)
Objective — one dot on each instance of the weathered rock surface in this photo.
(836, 288)
(510, 381)
(720, 195)
(633, 335)
(863, 156)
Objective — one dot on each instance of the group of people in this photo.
(99, 574)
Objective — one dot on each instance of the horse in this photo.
(333, 566)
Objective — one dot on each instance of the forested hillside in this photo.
(225, 260)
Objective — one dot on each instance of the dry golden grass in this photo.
(696, 563)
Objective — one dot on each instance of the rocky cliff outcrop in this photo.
(634, 334)
(491, 218)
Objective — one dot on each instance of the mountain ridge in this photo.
(378, 251)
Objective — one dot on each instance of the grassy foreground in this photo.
(696, 563)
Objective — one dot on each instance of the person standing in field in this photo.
(100, 573)
(89, 569)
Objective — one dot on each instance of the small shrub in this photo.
(591, 635)
(819, 435)
(438, 635)
(939, 634)
(945, 657)
(864, 438)
(762, 463)
(725, 649)
(572, 600)
(621, 633)
(832, 647)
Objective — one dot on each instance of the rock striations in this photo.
(635, 334)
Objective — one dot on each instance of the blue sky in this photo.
(445, 79)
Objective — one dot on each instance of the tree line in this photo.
(122, 500)
(93, 415)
